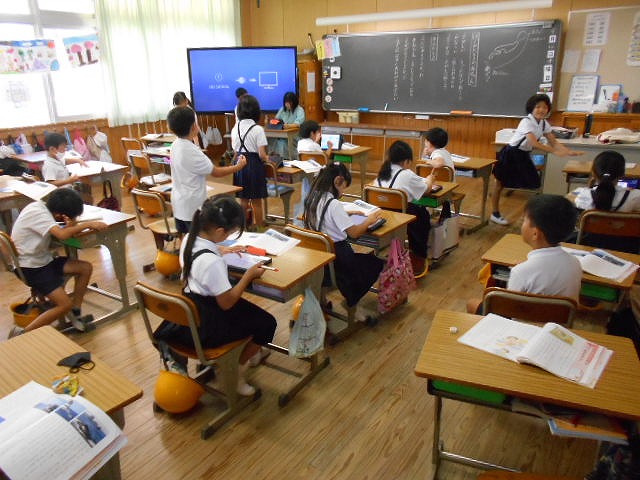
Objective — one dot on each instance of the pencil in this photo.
(270, 268)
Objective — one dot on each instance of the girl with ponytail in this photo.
(225, 315)
(355, 272)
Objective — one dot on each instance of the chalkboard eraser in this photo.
(461, 112)
(363, 109)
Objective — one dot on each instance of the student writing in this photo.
(32, 232)
(515, 169)
(396, 173)
(355, 272)
(190, 168)
(225, 315)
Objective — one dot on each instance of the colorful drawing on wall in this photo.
(83, 50)
(24, 56)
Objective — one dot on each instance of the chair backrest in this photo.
(444, 173)
(529, 307)
(270, 172)
(614, 230)
(387, 198)
(132, 146)
(170, 306)
(319, 157)
(9, 255)
(148, 205)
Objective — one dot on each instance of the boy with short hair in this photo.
(54, 168)
(310, 135)
(435, 139)
(548, 270)
(190, 167)
(32, 233)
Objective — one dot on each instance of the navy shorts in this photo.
(45, 280)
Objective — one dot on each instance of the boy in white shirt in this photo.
(32, 234)
(435, 141)
(54, 168)
(310, 135)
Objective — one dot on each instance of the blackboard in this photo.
(489, 70)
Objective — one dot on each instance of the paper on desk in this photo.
(348, 146)
(307, 166)
(458, 158)
(35, 190)
(603, 264)
(90, 213)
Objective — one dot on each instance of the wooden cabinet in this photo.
(601, 121)
(310, 82)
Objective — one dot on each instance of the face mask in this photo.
(60, 156)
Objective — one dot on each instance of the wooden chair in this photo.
(277, 190)
(141, 166)
(444, 174)
(613, 230)
(386, 198)
(154, 215)
(321, 241)
(182, 311)
(529, 307)
(319, 157)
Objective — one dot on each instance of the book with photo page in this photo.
(551, 347)
(603, 264)
(360, 207)
(53, 436)
(243, 261)
(271, 241)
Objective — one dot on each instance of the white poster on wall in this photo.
(582, 93)
(596, 29)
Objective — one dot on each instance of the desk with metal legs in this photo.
(480, 168)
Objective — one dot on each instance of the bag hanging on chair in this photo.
(445, 234)
(396, 279)
(109, 201)
(307, 334)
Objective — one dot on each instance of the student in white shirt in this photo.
(225, 315)
(515, 169)
(190, 167)
(310, 135)
(396, 173)
(355, 272)
(32, 233)
(54, 168)
(437, 156)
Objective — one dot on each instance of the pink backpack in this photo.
(80, 146)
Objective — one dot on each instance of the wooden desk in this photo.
(289, 134)
(511, 250)
(114, 238)
(444, 358)
(158, 137)
(479, 168)
(358, 155)
(34, 355)
(581, 171)
(97, 172)
(299, 268)
(436, 199)
(9, 201)
(213, 189)
(396, 227)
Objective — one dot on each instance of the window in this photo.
(70, 93)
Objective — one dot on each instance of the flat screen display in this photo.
(334, 138)
(267, 73)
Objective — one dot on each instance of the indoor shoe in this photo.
(419, 265)
(245, 389)
(259, 356)
(76, 322)
(500, 220)
(15, 331)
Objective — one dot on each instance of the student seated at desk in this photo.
(355, 272)
(31, 234)
(607, 169)
(292, 114)
(396, 173)
(54, 168)
(434, 152)
(548, 270)
(190, 167)
(225, 315)
(310, 135)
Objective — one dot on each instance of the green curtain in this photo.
(143, 50)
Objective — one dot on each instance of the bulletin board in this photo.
(613, 67)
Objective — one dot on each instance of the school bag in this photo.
(444, 235)
(80, 146)
(396, 279)
(108, 200)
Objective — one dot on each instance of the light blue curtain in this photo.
(143, 49)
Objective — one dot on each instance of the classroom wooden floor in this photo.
(367, 416)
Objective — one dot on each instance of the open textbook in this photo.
(272, 241)
(53, 436)
(551, 347)
(360, 207)
(241, 262)
(603, 264)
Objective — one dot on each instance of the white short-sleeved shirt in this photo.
(308, 145)
(584, 200)
(209, 275)
(255, 138)
(529, 125)
(189, 170)
(446, 158)
(407, 181)
(32, 235)
(336, 219)
(54, 169)
(547, 271)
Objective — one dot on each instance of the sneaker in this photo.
(76, 322)
(175, 363)
(259, 357)
(499, 220)
(243, 387)
(15, 331)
